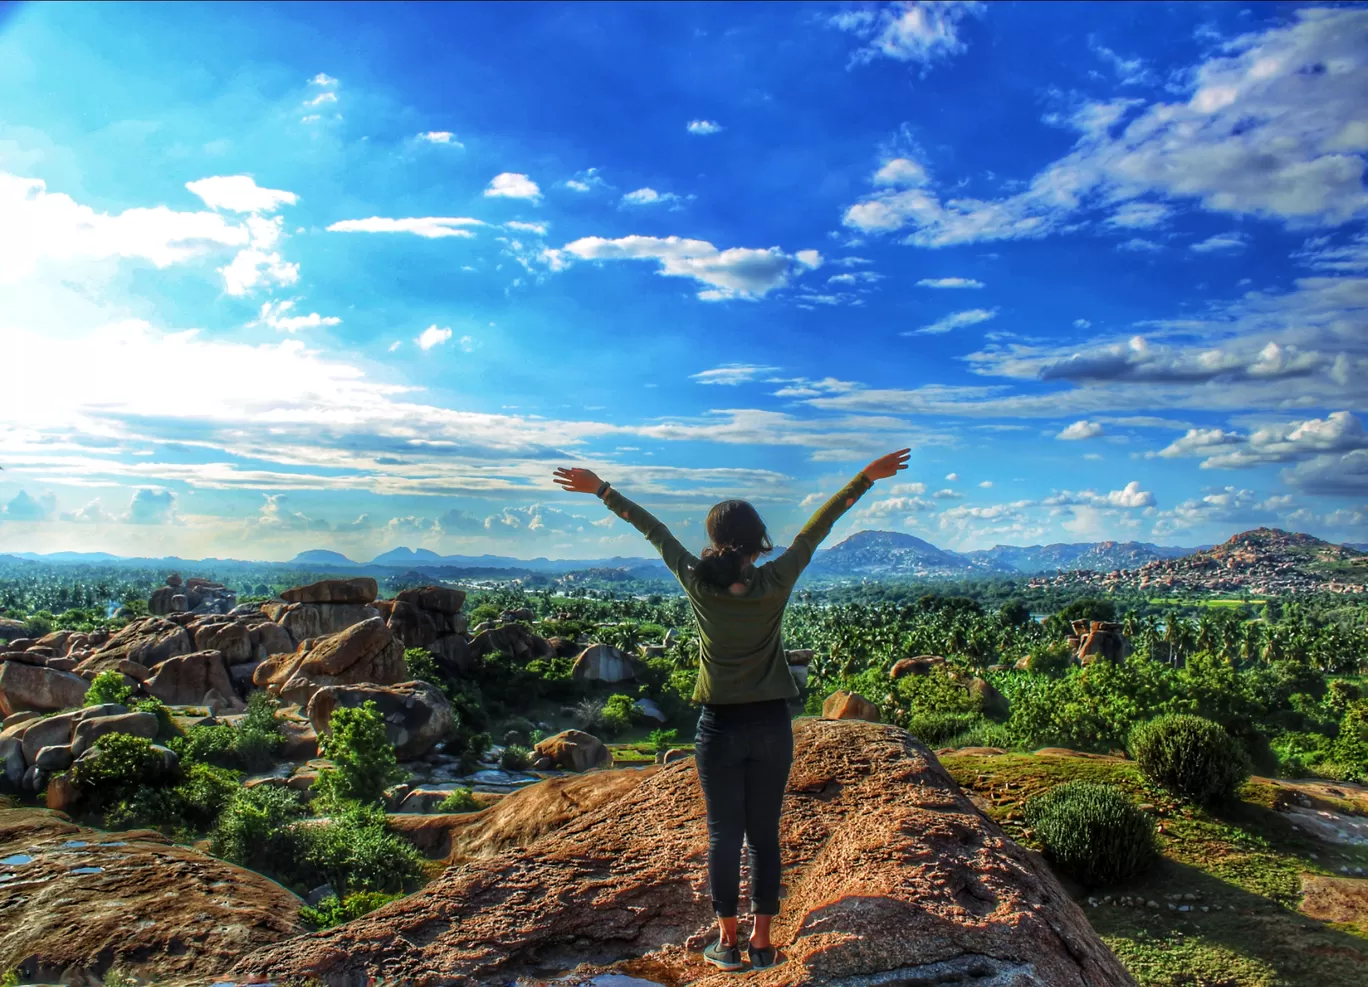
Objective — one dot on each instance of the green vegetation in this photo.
(363, 759)
(1093, 831)
(250, 746)
(516, 758)
(330, 911)
(1190, 756)
(461, 800)
(108, 687)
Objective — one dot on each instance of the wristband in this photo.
(602, 488)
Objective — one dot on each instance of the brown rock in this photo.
(91, 729)
(844, 705)
(575, 750)
(564, 647)
(305, 620)
(1335, 899)
(62, 793)
(33, 687)
(232, 638)
(453, 652)
(159, 603)
(147, 641)
(361, 589)
(891, 872)
(301, 740)
(187, 679)
(438, 599)
(57, 641)
(365, 652)
(12, 630)
(604, 663)
(511, 639)
(417, 716)
(411, 625)
(193, 915)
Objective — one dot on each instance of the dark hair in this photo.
(736, 532)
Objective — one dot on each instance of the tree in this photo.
(363, 758)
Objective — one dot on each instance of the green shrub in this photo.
(423, 667)
(934, 729)
(166, 727)
(618, 714)
(108, 687)
(1093, 831)
(250, 746)
(257, 830)
(356, 851)
(330, 911)
(516, 758)
(1190, 756)
(191, 806)
(461, 800)
(363, 758)
(123, 765)
(984, 734)
(662, 740)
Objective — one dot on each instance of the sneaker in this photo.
(722, 956)
(761, 958)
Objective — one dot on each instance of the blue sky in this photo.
(276, 277)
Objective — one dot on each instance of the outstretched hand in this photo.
(578, 480)
(886, 466)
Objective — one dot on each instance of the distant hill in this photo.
(1103, 556)
(321, 556)
(891, 554)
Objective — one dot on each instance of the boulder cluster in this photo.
(193, 595)
(1094, 639)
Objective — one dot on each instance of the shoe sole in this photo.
(725, 967)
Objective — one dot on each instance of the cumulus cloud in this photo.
(737, 272)
(429, 227)
(918, 32)
(900, 171)
(323, 79)
(512, 185)
(432, 336)
(650, 197)
(956, 320)
(1139, 215)
(23, 507)
(151, 506)
(949, 283)
(1272, 127)
(1131, 496)
(703, 127)
(586, 181)
(1081, 430)
(240, 193)
(444, 137)
(276, 315)
(1198, 442)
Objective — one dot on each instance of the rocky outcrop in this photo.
(920, 665)
(146, 641)
(842, 705)
(893, 877)
(361, 589)
(1096, 639)
(187, 680)
(604, 663)
(24, 686)
(417, 716)
(575, 750)
(12, 630)
(364, 652)
(305, 620)
(511, 639)
(430, 617)
(87, 901)
(193, 595)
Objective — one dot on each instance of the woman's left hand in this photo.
(578, 480)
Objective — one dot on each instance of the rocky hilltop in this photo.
(892, 877)
(1263, 561)
(893, 554)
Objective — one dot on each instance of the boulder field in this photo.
(76, 903)
(892, 876)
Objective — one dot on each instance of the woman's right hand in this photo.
(885, 466)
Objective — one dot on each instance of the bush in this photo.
(516, 758)
(423, 667)
(257, 830)
(1093, 831)
(330, 911)
(985, 733)
(461, 800)
(123, 765)
(108, 687)
(356, 851)
(250, 746)
(363, 758)
(166, 727)
(619, 712)
(193, 805)
(662, 740)
(934, 729)
(1190, 756)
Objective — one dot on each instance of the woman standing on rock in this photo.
(744, 746)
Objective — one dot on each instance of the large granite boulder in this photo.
(417, 715)
(193, 595)
(24, 686)
(511, 639)
(305, 620)
(604, 663)
(361, 589)
(1098, 639)
(87, 901)
(147, 641)
(842, 705)
(190, 680)
(575, 750)
(12, 630)
(92, 728)
(364, 652)
(893, 877)
(435, 599)
(413, 626)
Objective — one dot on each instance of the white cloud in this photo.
(432, 336)
(275, 315)
(323, 79)
(430, 227)
(26, 508)
(1338, 432)
(909, 31)
(1081, 430)
(467, 343)
(151, 506)
(310, 118)
(511, 185)
(1082, 324)
(1139, 215)
(1129, 71)
(445, 137)
(1198, 442)
(956, 320)
(1221, 242)
(732, 373)
(952, 477)
(321, 99)
(1131, 496)
(704, 127)
(901, 171)
(586, 181)
(1273, 127)
(1140, 245)
(649, 197)
(259, 264)
(851, 261)
(537, 228)
(395, 345)
(986, 484)
(949, 283)
(810, 259)
(737, 272)
(948, 494)
(1320, 254)
(240, 193)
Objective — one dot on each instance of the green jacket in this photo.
(742, 657)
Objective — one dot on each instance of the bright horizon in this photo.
(287, 277)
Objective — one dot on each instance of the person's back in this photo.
(744, 745)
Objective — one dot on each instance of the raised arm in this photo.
(675, 555)
(789, 566)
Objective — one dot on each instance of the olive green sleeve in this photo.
(789, 566)
(679, 559)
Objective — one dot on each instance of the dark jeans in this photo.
(743, 752)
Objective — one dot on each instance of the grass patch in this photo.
(640, 752)
(1242, 862)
